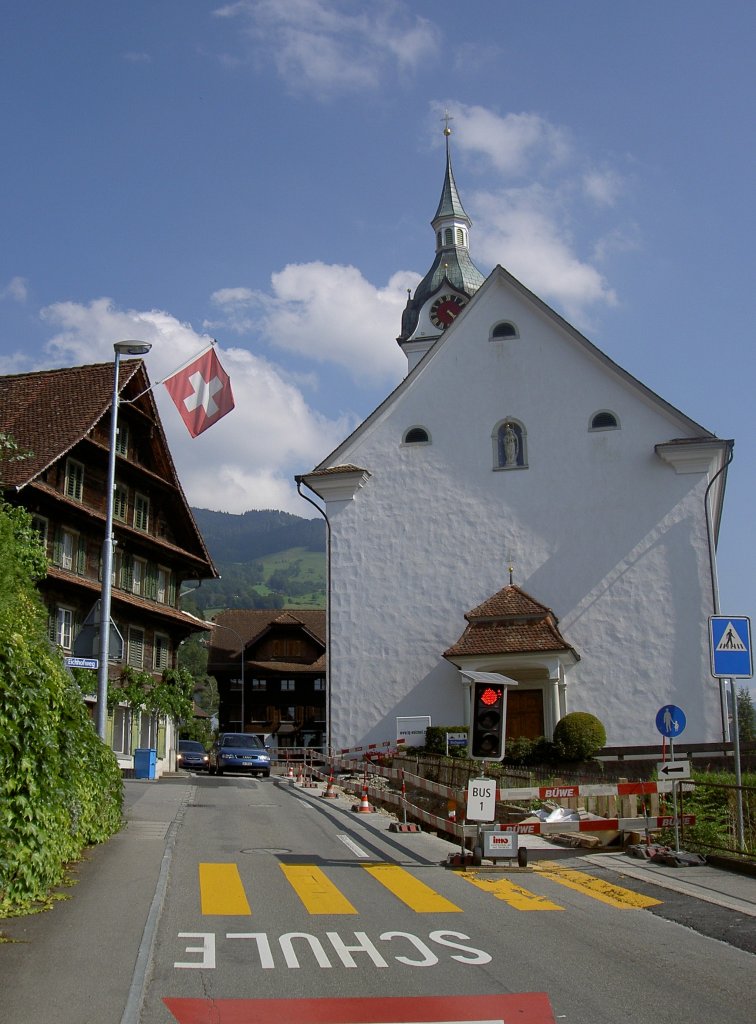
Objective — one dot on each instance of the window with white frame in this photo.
(504, 329)
(163, 584)
(63, 627)
(135, 647)
(74, 483)
(604, 420)
(318, 685)
(287, 685)
(259, 684)
(141, 512)
(161, 651)
(139, 571)
(41, 525)
(67, 549)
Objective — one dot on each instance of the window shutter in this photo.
(127, 572)
(151, 582)
(57, 556)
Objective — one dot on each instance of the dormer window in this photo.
(504, 329)
(416, 435)
(604, 420)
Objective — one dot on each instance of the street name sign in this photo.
(730, 645)
(81, 662)
(673, 769)
(481, 800)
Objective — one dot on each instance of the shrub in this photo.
(579, 736)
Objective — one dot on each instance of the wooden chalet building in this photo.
(62, 418)
(279, 658)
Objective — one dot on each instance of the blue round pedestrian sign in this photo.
(670, 720)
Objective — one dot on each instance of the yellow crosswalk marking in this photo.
(597, 888)
(410, 890)
(514, 895)
(316, 890)
(221, 890)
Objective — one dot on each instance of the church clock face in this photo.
(446, 309)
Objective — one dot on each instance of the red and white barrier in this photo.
(544, 828)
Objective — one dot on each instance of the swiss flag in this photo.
(201, 392)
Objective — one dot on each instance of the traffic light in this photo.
(487, 722)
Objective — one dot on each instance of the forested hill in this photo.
(266, 559)
(251, 535)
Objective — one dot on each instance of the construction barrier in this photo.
(457, 799)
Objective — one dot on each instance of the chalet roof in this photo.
(509, 622)
(250, 624)
(47, 412)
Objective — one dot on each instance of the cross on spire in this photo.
(446, 119)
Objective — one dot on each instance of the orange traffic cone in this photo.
(364, 804)
(300, 776)
(329, 791)
(290, 773)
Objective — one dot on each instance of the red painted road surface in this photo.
(524, 1008)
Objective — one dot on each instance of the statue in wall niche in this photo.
(511, 445)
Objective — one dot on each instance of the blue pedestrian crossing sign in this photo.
(730, 642)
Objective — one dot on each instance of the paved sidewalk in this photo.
(92, 939)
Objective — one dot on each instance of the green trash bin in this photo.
(145, 761)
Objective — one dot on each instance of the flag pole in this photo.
(186, 362)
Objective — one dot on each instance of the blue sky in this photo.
(264, 172)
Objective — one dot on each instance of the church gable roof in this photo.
(456, 334)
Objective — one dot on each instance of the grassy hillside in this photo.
(266, 559)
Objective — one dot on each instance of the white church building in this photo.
(519, 504)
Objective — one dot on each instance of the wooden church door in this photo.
(524, 714)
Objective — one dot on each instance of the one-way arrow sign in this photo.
(674, 770)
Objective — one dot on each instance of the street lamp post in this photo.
(122, 348)
(219, 625)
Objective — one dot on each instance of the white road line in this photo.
(356, 850)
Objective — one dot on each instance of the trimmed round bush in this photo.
(579, 736)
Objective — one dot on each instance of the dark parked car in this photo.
(191, 754)
(239, 752)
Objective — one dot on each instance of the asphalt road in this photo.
(241, 901)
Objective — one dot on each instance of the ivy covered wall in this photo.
(60, 785)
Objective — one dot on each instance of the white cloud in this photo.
(603, 187)
(523, 233)
(16, 289)
(321, 46)
(328, 314)
(511, 144)
(249, 458)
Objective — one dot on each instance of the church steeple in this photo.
(453, 277)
